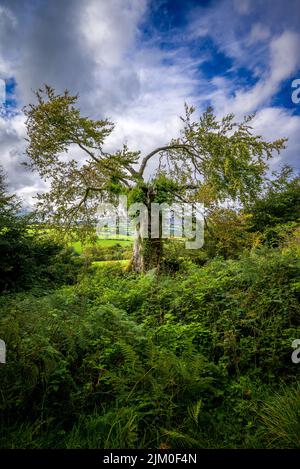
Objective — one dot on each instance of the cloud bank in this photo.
(137, 62)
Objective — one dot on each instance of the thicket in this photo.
(199, 356)
(28, 259)
(192, 359)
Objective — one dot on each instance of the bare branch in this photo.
(132, 171)
(88, 152)
(73, 210)
(178, 146)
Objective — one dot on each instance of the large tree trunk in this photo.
(147, 252)
(137, 258)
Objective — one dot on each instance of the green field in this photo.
(121, 262)
(101, 242)
(104, 241)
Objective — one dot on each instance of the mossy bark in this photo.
(147, 254)
(147, 251)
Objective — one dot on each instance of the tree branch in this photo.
(84, 198)
(91, 154)
(185, 147)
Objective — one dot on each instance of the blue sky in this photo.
(138, 61)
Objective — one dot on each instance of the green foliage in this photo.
(228, 234)
(27, 259)
(164, 189)
(115, 252)
(278, 235)
(188, 360)
(196, 354)
(281, 419)
(227, 155)
(137, 194)
(210, 161)
(280, 202)
(55, 123)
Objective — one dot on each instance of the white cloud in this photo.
(8, 24)
(110, 28)
(242, 6)
(274, 123)
(259, 32)
(96, 48)
(96, 51)
(284, 60)
(12, 147)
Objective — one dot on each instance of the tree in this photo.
(210, 161)
(278, 203)
(275, 213)
(12, 237)
(28, 259)
(229, 234)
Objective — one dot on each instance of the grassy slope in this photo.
(190, 360)
(103, 243)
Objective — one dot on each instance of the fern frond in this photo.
(194, 411)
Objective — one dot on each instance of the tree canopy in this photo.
(211, 160)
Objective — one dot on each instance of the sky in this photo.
(137, 62)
